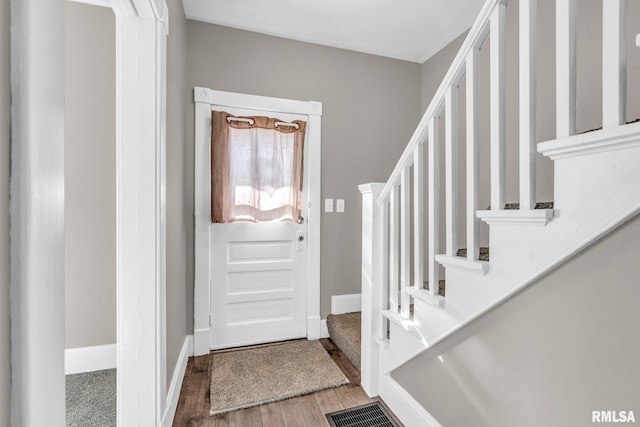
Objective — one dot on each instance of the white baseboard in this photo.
(176, 382)
(341, 304)
(90, 359)
(324, 331)
(403, 405)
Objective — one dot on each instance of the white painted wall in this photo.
(90, 176)
(565, 346)
(5, 115)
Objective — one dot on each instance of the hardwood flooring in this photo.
(303, 411)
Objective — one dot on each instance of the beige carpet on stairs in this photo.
(344, 330)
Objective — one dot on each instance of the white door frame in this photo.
(204, 98)
(37, 210)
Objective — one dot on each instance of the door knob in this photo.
(300, 238)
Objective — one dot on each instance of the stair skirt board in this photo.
(404, 406)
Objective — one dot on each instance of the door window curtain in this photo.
(256, 168)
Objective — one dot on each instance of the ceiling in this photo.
(411, 30)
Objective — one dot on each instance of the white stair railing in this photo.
(394, 271)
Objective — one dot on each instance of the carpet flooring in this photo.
(256, 375)
(344, 330)
(91, 399)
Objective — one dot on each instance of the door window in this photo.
(256, 168)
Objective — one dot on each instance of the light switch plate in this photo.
(328, 205)
(340, 205)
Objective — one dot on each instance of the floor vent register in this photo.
(369, 415)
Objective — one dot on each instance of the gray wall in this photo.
(549, 356)
(90, 224)
(5, 116)
(178, 209)
(371, 107)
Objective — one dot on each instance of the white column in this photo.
(473, 175)
(498, 107)
(528, 84)
(140, 188)
(451, 158)
(418, 216)
(614, 63)
(373, 227)
(405, 241)
(37, 213)
(565, 68)
(434, 206)
(394, 248)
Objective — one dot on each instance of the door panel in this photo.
(258, 275)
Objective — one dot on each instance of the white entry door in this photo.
(259, 273)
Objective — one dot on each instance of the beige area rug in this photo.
(253, 376)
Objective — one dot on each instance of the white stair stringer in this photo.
(404, 345)
(594, 194)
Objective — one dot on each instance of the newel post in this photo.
(372, 268)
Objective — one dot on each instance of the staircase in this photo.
(414, 225)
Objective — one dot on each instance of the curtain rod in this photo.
(251, 122)
(295, 125)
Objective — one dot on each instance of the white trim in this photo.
(462, 263)
(204, 98)
(616, 138)
(140, 212)
(176, 382)
(256, 102)
(201, 341)
(395, 317)
(314, 327)
(341, 304)
(324, 330)
(100, 3)
(37, 213)
(404, 406)
(89, 359)
(426, 297)
(516, 216)
(37, 309)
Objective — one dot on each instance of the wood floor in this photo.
(303, 411)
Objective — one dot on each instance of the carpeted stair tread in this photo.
(600, 128)
(344, 330)
(484, 253)
(516, 206)
(539, 205)
(441, 286)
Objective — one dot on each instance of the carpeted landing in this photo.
(344, 330)
(91, 399)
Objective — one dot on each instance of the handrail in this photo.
(476, 36)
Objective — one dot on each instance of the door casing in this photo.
(204, 99)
